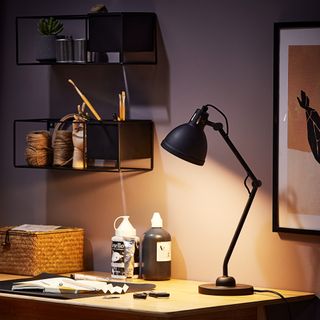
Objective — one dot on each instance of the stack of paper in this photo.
(67, 285)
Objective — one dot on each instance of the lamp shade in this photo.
(188, 142)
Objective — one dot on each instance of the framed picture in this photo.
(296, 145)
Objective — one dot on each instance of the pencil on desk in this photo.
(79, 276)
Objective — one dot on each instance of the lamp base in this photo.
(238, 290)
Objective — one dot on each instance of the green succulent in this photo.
(50, 26)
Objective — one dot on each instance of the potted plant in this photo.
(48, 28)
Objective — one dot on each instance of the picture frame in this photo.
(296, 128)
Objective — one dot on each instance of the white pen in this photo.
(80, 276)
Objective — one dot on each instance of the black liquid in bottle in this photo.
(156, 251)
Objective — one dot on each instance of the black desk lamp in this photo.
(188, 142)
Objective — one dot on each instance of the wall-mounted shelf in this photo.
(111, 38)
(110, 145)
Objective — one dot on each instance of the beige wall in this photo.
(209, 52)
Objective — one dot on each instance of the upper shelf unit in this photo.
(108, 38)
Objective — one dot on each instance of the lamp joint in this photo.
(256, 183)
(217, 126)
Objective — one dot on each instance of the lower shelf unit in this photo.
(109, 146)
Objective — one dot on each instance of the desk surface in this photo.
(184, 301)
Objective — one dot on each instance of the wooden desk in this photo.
(184, 303)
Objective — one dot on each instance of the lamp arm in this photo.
(217, 126)
(255, 185)
(238, 231)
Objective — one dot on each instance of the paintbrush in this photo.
(123, 103)
(122, 106)
(86, 101)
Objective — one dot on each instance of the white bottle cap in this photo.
(156, 221)
(125, 228)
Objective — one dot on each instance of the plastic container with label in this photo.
(124, 250)
(156, 251)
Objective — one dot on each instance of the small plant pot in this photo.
(46, 50)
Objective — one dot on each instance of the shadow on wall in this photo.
(94, 200)
(99, 83)
(313, 243)
(292, 247)
(178, 261)
(149, 87)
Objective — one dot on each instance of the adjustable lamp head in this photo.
(188, 141)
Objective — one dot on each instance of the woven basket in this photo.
(31, 253)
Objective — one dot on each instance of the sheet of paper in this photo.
(35, 227)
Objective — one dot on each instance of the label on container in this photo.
(125, 258)
(117, 259)
(163, 251)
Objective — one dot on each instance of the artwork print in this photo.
(296, 203)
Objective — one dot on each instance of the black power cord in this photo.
(290, 317)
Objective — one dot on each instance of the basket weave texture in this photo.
(31, 253)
